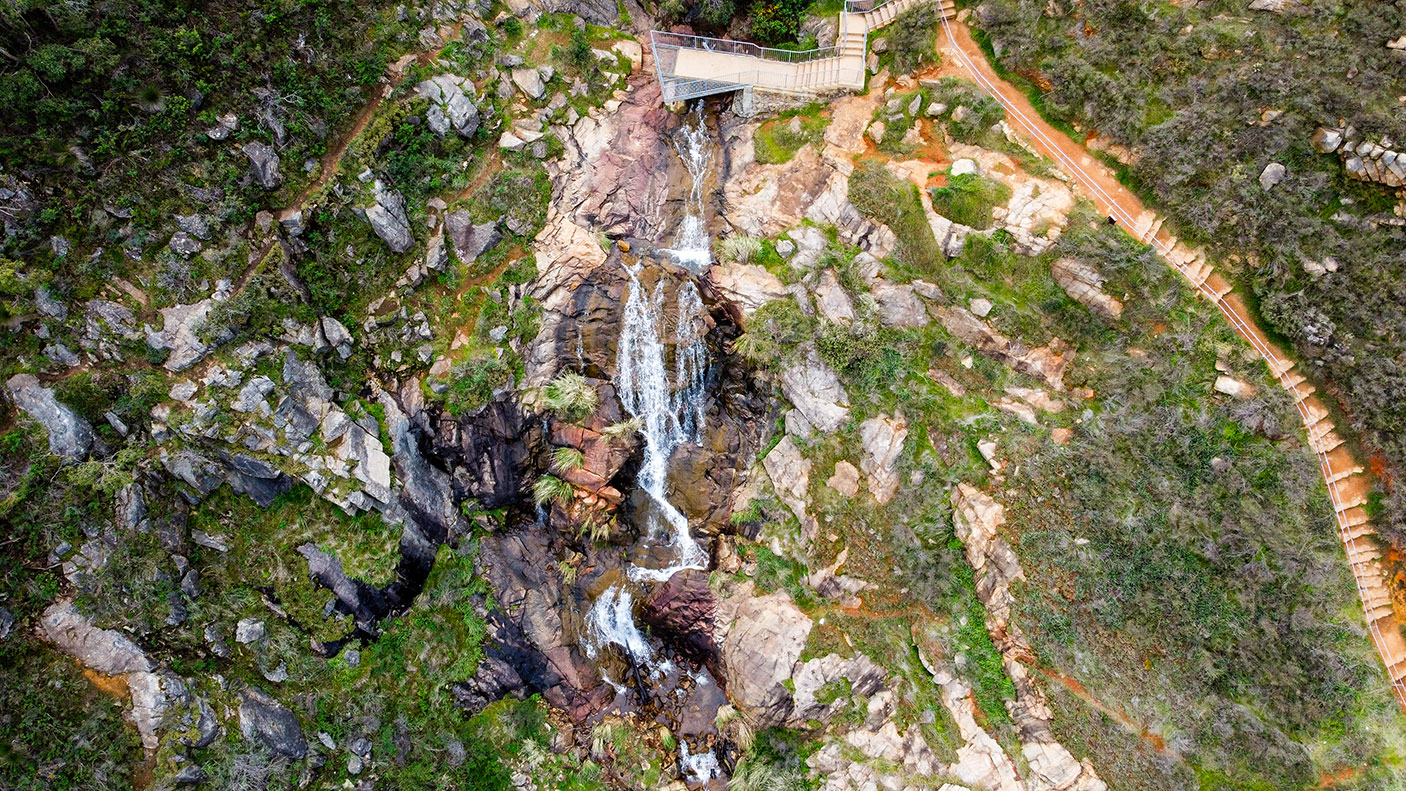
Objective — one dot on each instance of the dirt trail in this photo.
(1348, 485)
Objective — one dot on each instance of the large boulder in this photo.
(450, 104)
(816, 391)
(1046, 362)
(762, 639)
(103, 650)
(790, 475)
(263, 161)
(682, 610)
(265, 721)
(388, 219)
(470, 240)
(70, 436)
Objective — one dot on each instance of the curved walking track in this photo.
(1347, 486)
(692, 66)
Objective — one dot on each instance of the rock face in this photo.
(1363, 160)
(832, 301)
(976, 520)
(882, 437)
(1084, 284)
(816, 391)
(762, 639)
(450, 105)
(112, 654)
(262, 719)
(70, 436)
(388, 220)
(264, 162)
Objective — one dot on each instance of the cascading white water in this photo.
(611, 621)
(669, 418)
(692, 247)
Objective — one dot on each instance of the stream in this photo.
(669, 401)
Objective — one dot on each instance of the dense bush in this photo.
(912, 37)
(968, 199)
(1198, 93)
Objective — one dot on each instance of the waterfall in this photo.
(669, 402)
(670, 419)
(692, 247)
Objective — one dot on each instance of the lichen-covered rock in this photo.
(816, 391)
(747, 286)
(450, 104)
(1084, 284)
(388, 220)
(264, 163)
(790, 474)
(70, 436)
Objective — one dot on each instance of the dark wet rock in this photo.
(264, 720)
(190, 774)
(70, 436)
(682, 610)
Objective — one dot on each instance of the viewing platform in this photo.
(692, 66)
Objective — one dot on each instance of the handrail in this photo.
(731, 46)
(1280, 372)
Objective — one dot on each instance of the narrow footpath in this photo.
(1348, 486)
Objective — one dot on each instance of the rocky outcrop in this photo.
(815, 390)
(1084, 284)
(111, 653)
(976, 520)
(1046, 362)
(70, 436)
(882, 438)
(1363, 160)
(183, 333)
(451, 104)
(761, 639)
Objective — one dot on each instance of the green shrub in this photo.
(778, 141)
(549, 488)
(739, 248)
(880, 195)
(567, 459)
(968, 199)
(473, 383)
(911, 37)
(571, 396)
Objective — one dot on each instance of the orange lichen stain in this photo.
(1331, 779)
(1037, 77)
(112, 686)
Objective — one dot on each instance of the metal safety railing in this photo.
(797, 70)
(1359, 559)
